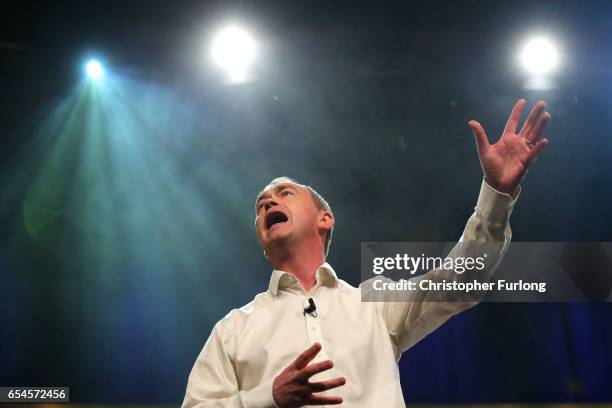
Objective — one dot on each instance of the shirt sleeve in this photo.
(213, 382)
(488, 227)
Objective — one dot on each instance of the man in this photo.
(278, 351)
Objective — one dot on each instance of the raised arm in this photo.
(504, 164)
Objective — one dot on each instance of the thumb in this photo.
(482, 142)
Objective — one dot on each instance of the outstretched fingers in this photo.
(537, 148)
(532, 119)
(327, 385)
(316, 368)
(536, 134)
(306, 357)
(515, 116)
(314, 399)
(292, 387)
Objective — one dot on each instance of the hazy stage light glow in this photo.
(233, 50)
(539, 56)
(94, 69)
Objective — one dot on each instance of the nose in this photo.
(269, 203)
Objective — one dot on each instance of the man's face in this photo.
(285, 212)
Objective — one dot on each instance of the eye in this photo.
(286, 192)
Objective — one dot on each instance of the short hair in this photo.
(318, 199)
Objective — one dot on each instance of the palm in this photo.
(505, 163)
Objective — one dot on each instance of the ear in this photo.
(326, 220)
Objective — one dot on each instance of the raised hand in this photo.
(505, 163)
(292, 388)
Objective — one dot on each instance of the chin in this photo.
(277, 239)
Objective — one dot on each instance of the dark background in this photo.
(368, 102)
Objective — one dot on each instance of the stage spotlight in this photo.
(539, 56)
(94, 69)
(233, 50)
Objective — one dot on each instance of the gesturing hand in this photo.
(291, 387)
(505, 163)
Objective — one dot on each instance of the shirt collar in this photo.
(325, 275)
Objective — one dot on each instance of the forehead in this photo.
(276, 187)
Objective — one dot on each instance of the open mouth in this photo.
(275, 217)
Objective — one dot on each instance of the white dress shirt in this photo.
(250, 346)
